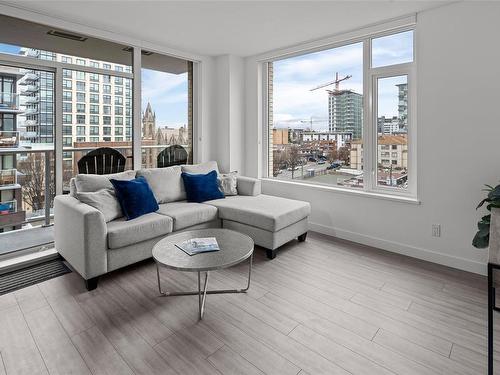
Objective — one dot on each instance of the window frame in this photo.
(370, 74)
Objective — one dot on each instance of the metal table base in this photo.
(202, 293)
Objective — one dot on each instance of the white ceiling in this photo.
(241, 28)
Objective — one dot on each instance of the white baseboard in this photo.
(395, 247)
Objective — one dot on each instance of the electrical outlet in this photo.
(436, 230)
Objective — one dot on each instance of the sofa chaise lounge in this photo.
(94, 247)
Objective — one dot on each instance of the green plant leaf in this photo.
(480, 241)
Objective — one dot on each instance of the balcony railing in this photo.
(28, 79)
(9, 102)
(28, 89)
(9, 139)
(32, 185)
(8, 177)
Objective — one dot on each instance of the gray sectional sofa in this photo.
(94, 245)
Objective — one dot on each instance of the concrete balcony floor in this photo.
(25, 239)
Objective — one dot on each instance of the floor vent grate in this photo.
(31, 275)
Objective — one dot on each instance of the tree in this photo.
(293, 158)
(278, 161)
(333, 155)
(33, 181)
(344, 155)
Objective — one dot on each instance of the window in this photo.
(94, 130)
(80, 130)
(316, 128)
(94, 98)
(94, 87)
(67, 130)
(118, 81)
(106, 130)
(106, 66)
(67, 84)
(67, 73)
(80, 139)
(118, 120)
(94, 120)
(118, 90)
(106, 89)
(118, 131)
(80, 119)
(80, 86)
(94, 109)
(80, 97)
(66, 59)
(106, 79)
(80, 62)
(119, 68)
(94, 77)
(80, 107)
(67, 141)
(106, 99)
(67, 95)
(94, 139)
(106, 109)
(106, 120)
(67, 107)
(80, 75)
(118, 100)
(67, 119)
(94, 64)
(119, 111)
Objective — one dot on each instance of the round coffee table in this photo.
(234, 247)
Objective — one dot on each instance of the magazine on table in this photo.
(199, 245)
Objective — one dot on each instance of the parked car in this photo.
(320, 162)
(312, 159)
(333, 166)
(290, 169)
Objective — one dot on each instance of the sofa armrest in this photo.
(80, 236)
(248, 186)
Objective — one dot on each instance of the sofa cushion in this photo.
(103, 200)
(166, 183)
(135, 196)
(201, 187)
(186, 214)
(123, 232)
(202, 168)
(262, 211)
(95, 182)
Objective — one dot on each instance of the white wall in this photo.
(458, 99)
(227, 141)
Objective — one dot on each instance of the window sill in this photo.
(362, 193)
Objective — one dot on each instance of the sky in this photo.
(294, 102)
(168, 95)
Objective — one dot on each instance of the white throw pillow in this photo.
(166, 183)
(103, 200)
(95, 182)
(228, 183)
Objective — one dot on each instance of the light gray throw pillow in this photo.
(202, 168)
(95, 182)
(166, 183)
(103, 200)
(228, 183)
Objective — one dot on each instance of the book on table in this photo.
(199, 245)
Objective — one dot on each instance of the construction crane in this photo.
(336, 83)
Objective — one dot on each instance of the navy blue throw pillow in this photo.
(135, 197)
(201, 187)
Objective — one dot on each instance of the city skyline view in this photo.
(294, 102)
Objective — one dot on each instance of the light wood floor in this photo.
(321, 307)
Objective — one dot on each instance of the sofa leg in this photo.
(271, 254)
(91, 284)
(302, 237)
